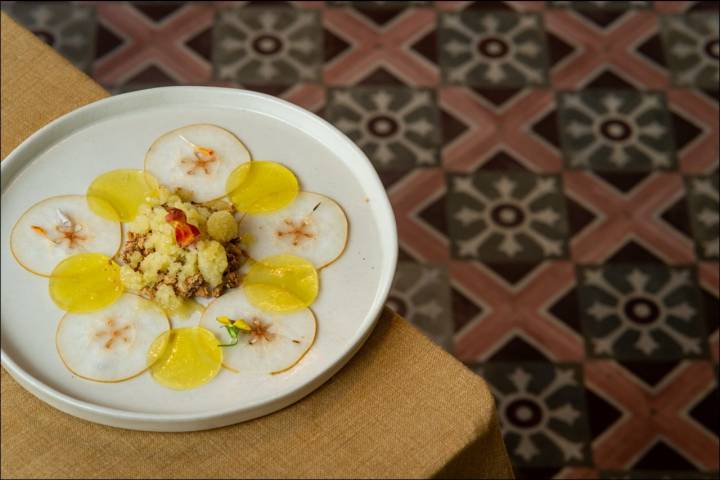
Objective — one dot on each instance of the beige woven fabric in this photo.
(401, 408)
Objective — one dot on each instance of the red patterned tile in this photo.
(652, 413)
(700, 155)
(523, 307)
(709, 280)
(374, 47)
(621, 217)
(410, 197)
(508, 127)
(147, 43)
(598, 49)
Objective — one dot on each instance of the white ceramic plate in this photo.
(66, 155)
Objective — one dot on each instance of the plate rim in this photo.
(13, 164)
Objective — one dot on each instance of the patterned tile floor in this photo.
(554, 172)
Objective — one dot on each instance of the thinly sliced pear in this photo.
(197, 159)
(276, 344)
(313, 227)
(41, 238)
(110, 345)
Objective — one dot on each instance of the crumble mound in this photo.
(157, 267)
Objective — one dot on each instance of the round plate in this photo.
(66, 155)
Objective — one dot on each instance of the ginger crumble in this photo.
(177, 249)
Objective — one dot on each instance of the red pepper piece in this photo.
(175, 215)
(185, 233)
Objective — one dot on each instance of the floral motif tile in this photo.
(397, 127)
(492, 49)
(641, 312)
(67, 28)
(421, 294)
(506, 217)
(615, 130)
(703, 201)
(267, 46)
(541, 407)
(692, 49)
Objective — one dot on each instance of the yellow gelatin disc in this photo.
(281, 283)
(116, 195)
(185, 358)
(85, 282)
(261, 187)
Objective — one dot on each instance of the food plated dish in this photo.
(215, 273)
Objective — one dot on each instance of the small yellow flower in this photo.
(239, 323)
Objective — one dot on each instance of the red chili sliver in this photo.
(175, 215)
(185, 233)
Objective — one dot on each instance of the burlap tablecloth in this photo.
(401, 408)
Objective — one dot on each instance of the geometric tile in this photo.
(677, 216)
(652, 49)
(652, 416)
(67, 28)
(492, 49)
(566, 309)
(516, 310)
(709, 283)
(578, 216)
(464, 310)
(513, 273)
(506, 217)
(502, 161)
(696, 122)
(604, 50)
(415, 199)
(157, 11)
(398, 48)
(518, 349)
(542, 412)
(651, 374)
(106, 41)
(129, 51)
(703, 200)
(421, 294)
(333, 45)
(692, 49)
(602, 6)
(615, 130)
(623, 219)
(641, 312)
(705, 411)
(602, 414)
(684, 130)
(662, 457)
(381, 5)
(267, 46)
(633, 252)
(397, 127)
(658, 474)
(491, 128)
(607, 79)
(623, 181)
